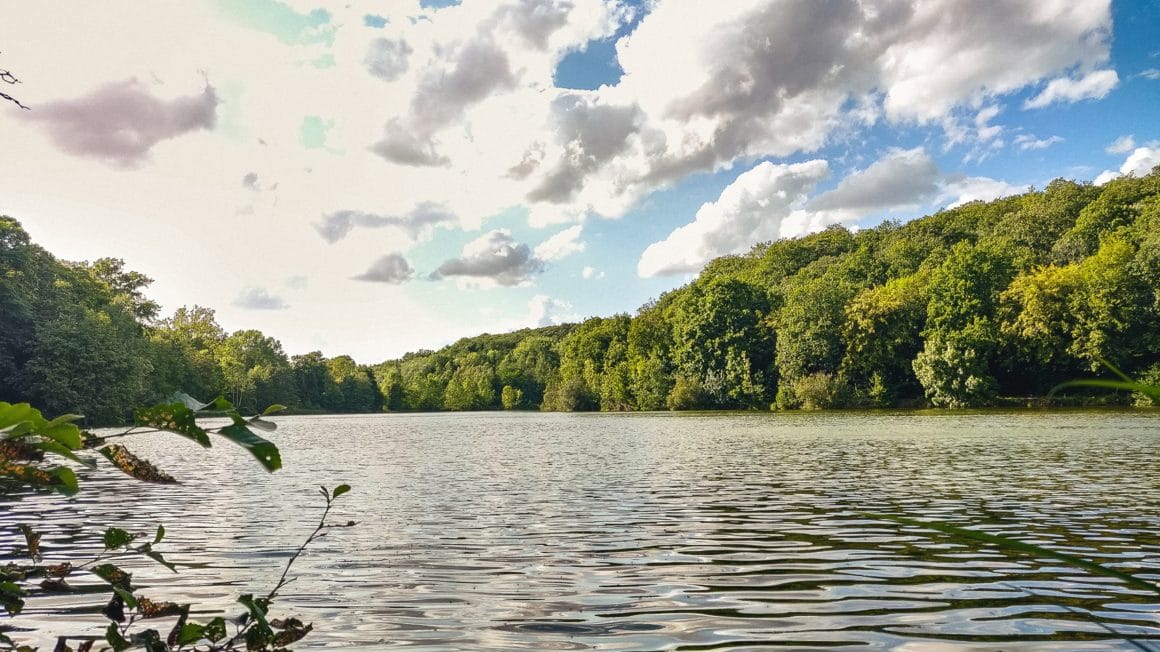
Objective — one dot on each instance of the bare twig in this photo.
(8, 78)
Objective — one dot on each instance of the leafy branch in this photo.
(26, 436)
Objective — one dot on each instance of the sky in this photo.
(383, 176)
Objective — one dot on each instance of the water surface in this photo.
(502, 531)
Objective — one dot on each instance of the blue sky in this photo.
(386, 176)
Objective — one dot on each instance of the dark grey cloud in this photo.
(592, 134)
(474, 71)
(120, 122)
(425, 216)
(387, 58)
(250, 181)
(497, 257)
(392, 268)
(254, 298)
(901, 178)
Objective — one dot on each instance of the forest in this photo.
(986, 303)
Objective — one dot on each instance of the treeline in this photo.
(84, 338)
(987, 300)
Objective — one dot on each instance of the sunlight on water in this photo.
(654, 532)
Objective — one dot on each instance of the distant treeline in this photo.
(1000, 299)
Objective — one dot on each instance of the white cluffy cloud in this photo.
(1094, 85)
(1121, 145)
(772, 201)
(561, 245)
(1139, 163)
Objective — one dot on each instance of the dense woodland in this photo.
(960, 308)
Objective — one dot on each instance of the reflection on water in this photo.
(649, 532)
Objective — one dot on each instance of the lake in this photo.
(503, 531)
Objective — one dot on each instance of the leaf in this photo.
(66, 481)
(1151, 391)
(113, 575)
(12, 415)
(160, 534)
(114, 639)
(56, 448)
(33, 541)
(134, 466)
(126, 597)
(172, 417)
(192, 633)
(10, 599)
(63, 431)
(262, 424)
(273, 409)
(215, 630)
(264, 450)
(1006, 543)
(220, 404)
(257, 611)
(115, 538)
(341, 489)
(156, 556)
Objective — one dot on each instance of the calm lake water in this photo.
(503, 531)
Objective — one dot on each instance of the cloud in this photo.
(1121, 145)
(494, 258)
(121, 121)
(755, 207)
(1026, 142)
(771, 202)
(589, 134)
(591, 273)
(1139, 163)
(957, 190)
(901, 178)
(387, 58)
(1094, 85)
(471, 74)
(564, 243)
(1150, 73)
(250, 181)
(421, 219)
(255, 298)
(546, 311)
(392, 268)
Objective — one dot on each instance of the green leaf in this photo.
(10, 599)
(1006, 543)
(129, 598)
(114, 639)
(63, 431)
(192, 633)
(215, 630)
(160, 534)
(263, 450)
(262, 424)
(115, 538)
(66, 481)
(1151, 391)
(273, 409)
(341, 489)
(220, 404)
(257, 612)
(156, 556)
(19, 414)
(113, 575)
(56, 448)
(172, 417)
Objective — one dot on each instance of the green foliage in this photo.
(1003, 298)
(26, 436)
